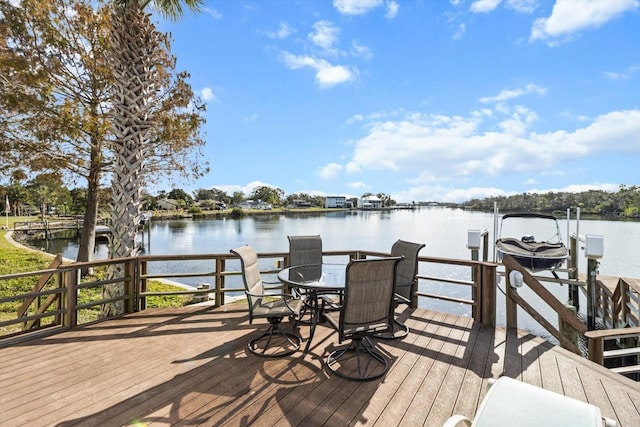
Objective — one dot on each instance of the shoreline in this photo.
(20, 245)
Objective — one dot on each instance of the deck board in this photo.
(190, 366)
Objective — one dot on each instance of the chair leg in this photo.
(398, 330)
(355, 361)
(307, 307)
(289, 341)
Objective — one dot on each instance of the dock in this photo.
(190, 366)
(50, 227)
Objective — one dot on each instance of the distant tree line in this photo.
(625, 202)
(46, 194)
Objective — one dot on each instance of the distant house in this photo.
(370, 202)
(168, 204)
(298, 203)
(255, 204)
(335, 202)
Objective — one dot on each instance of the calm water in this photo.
(444, 231)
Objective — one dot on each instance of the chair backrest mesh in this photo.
(368, 292)
(304, 250)
(408, 267)
(250, 273)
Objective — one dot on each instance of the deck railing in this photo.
(61, 298)
(618, 308)
(629, 302)
(566, 316)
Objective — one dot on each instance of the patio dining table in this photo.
(315, 280)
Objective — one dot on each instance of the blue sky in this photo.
(443, 100)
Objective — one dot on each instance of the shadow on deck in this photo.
(190, 366)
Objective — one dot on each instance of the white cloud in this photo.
(353, 167)
(250, 118)
(445, 194)
(329, 171)
(569, 17)
(457, 147)
(357, 185)
(212, 12)
(283, 31)
(356, 7)
(325, 35)
(392, 9)
(456, 195)
(484, 6)
(579, 188)
(518, 124)
(522, 6)
(627, 73)
(207, 94)
(361, 51)
(327, 75)
(247, 189)
(459, 32)
(507, 94)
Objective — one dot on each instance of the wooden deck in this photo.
(190, 366)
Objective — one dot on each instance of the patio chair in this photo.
(273, 307)
(305, 250)
(367, 310)
(510, 402)
(406, 282)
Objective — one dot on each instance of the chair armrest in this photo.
(277, 285)
(402, 298)
(457, 419)
(285, 296)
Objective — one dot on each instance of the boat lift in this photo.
(594, 250)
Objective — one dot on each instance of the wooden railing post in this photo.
(70, 280)
(59, 283)
(596, 349)
(220, 282)
(478, 292)
(487, 300)
(142, 300)
(623, 286)
(130, 281)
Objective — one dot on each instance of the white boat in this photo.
(534, 255)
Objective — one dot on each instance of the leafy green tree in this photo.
(267, 194)
(318, 201)
(386, 199)
(45, 191)
(237, 197)
(180, 195)
(212, 194)
(58, 82)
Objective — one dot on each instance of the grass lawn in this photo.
(18, 260)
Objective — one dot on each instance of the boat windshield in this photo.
(530, 228)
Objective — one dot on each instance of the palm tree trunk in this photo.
(135, 42)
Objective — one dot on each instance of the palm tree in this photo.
(140, 59)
